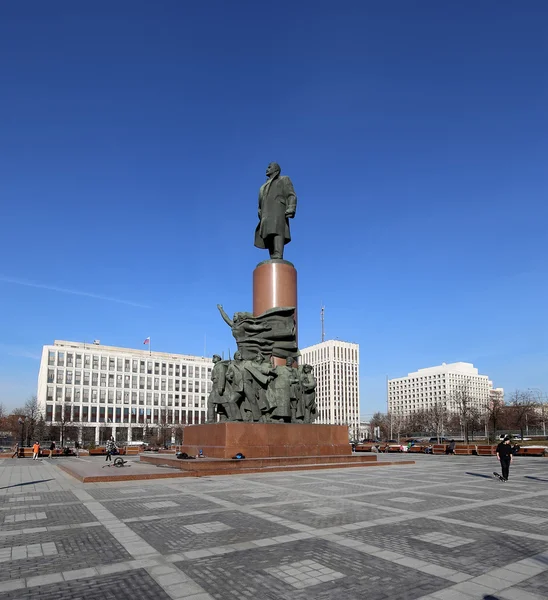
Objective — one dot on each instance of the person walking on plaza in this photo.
(51, 449)
(504, 454)
(15, 451)
(111, 448)
(35, 451)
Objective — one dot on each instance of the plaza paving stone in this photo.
(442, 529)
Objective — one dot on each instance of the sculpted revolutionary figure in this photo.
(277, 204)
(278, 392)
(235, 375)
(308, 387)
(219, 398)
(261, 372)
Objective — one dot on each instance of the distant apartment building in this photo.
(92, 386)
(428, 387)
(495, 394)
(337, 370)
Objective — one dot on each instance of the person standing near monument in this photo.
(110, 448)
(504, 454)
(35, 450)
(277, 204)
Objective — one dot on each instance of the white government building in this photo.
(337, 370)
(92, 386)
(425, 388)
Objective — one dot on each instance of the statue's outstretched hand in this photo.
(220, 306)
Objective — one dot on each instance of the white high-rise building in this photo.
(495, 394)
(428, 387)
(92, 386)
(337, 370)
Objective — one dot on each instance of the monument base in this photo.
(266, 440)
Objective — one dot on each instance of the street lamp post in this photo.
(21, 422)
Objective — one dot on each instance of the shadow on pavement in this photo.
(536, 478)
(26, 483)
(479, 475)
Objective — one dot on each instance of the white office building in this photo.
(495, 394)
(428, 387)
(337, 370)
(92, 386)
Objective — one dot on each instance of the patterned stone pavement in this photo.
(442, 529)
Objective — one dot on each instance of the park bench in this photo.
(102, 451)
(465, 449)
(532, 451)
(418, 448)
(364, 447)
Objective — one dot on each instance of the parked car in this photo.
(442, 440)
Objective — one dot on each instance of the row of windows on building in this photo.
(68, 394)
(128, 365)
(450, 377)
(140, 382)
(336, 352)
(103, 414)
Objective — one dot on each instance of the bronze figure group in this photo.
(255, 391)
(249, 387)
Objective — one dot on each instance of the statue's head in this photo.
(273, 169)
(216, 358)
(307, 368)
(237, 356)
(289, 361)
(259, 358)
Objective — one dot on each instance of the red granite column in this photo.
(274, 285)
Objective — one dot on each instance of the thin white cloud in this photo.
(24, 354)
(54, 288)
(19, 351)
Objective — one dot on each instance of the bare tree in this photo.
(495, 414)
(178, 432)
(63, 425)
(524, 410)
(437, 419)
(164, 428)
(463, 402)
(382, 422)
(397, 424)
(32, 414)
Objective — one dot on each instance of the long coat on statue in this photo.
(276, 197)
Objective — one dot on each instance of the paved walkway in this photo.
(443, 529)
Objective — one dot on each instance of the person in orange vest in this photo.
(35, 451)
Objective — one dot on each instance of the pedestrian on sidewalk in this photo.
(51, 449)
(15, 451)
(111, 448)
(35, 450)
(504, 454)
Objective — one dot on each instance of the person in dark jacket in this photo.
(504, 454)
(110, 448)
(451, 448)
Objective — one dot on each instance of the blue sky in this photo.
(135, 135)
